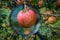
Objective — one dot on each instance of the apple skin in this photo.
(58, 3)
(26, 18)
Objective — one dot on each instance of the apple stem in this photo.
(25, 6)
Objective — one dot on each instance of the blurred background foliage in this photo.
(46, 7)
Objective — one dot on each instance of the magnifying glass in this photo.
(14, 23)
(18, 29)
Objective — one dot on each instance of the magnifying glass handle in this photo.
(41, 36)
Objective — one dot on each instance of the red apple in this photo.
(26, 18)
(58, 3)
